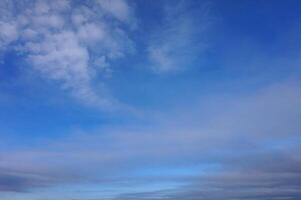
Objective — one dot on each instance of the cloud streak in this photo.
(243, 151)
(179, 39)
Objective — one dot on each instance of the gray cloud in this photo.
(18, 181)
(263, 178)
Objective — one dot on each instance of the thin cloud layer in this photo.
(243, 151)
(180, 38)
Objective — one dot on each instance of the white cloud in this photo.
(60, 57)
(117, 8)
(64, 40)
(8, 33)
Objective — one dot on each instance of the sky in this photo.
(150, 100)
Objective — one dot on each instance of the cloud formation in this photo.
(243, 150)
(223, 132)
(68, 41)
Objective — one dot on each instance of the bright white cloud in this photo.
(64, 40)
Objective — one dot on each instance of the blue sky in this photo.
(110, 100)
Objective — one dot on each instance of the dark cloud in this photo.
(264, 178)
(20, 181)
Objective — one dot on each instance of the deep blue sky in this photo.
(109, 100)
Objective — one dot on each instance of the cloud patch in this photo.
(65, 40)
(179, 39)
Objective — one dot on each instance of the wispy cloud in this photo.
(180, 38)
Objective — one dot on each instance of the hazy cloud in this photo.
(179, 39)
(250, 158)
